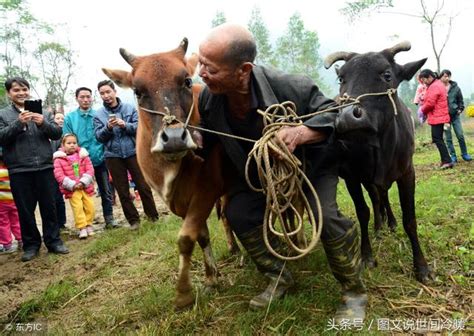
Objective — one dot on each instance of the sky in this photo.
(98, 28)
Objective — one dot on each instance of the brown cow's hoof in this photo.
(184, 300)
(424, 275)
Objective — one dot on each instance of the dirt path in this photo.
(20, 281)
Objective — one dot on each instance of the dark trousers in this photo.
(245, 209)
(60, 207)
(437, 137)
(118, 169)
(29, 189)
(102, 178)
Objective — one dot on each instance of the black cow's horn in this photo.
(337, 56)
(127, 56)
(402, 46)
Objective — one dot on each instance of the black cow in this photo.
(379, 130)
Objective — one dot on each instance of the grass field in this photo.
(122, 282)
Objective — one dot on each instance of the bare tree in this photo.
(440, 23)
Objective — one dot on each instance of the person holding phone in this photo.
(116, 127)
(30, 168)
(81, 123)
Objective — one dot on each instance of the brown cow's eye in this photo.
(138, 94)
(188, 82)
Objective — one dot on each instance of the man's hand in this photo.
(25, 116)
(37, 118)
(116, 122)
(299, 135)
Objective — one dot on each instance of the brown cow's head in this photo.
(373, 72)
(163, 86)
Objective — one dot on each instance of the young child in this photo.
(9, 222)
(73, 170)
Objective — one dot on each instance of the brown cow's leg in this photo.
(229, 233)
(210, 265)
(406, 191)
(184, 295)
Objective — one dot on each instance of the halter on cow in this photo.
(385, 126)
(190, 186)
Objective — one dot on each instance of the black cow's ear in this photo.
(410, 69)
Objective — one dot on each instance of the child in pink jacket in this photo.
(73, 170)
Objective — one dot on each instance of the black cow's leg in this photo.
(376, 205)
(363, 215)
(406, 191)
(210, 265)
(387, 209)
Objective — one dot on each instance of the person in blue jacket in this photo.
(80, 122)
(116, 127)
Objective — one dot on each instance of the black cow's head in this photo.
(373, 72)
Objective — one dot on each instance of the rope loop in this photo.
(282, 180)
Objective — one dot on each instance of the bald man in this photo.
(235, 89)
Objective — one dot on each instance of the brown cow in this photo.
(187, 184)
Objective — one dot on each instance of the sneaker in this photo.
(137, 195)
(111, 224)
(8, 248)
(466, 157)
(83, 234)
(454, 159)
(446, 165)
(90, 230)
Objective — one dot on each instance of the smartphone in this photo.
(112, 116)
(34, 106)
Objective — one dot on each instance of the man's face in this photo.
(220, 78)
(108, 95)
(18, 94)
(84, 99)
(445, 78)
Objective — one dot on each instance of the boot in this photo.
(343, 254)
(269, 265)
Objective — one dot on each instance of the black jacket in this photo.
(455, 100)
(272, 87)
(27, 148)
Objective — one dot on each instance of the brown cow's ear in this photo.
(183, 47)
(120, 77)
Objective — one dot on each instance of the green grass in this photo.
(133, 274)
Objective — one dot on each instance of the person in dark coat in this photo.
(235, 89)
(456, 107)
(25, 137)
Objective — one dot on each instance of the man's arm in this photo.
(102, 132)
(49, 127)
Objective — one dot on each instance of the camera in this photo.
(34, 106)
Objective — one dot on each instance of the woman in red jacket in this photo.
(73, 170)
(435, 108)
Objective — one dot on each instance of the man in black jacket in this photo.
(25, 137)
(456, 107)
(235, 89)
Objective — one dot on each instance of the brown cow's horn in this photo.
(337, 56)
(402, 46)
(184, 44)
(127, 56)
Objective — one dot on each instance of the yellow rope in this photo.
(282, 181)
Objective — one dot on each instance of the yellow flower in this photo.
(470, 111)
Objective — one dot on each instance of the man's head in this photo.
(427, 76)
(226, 57)
(107, 92)
(445, 76)
(18, 90)
(84, 98)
